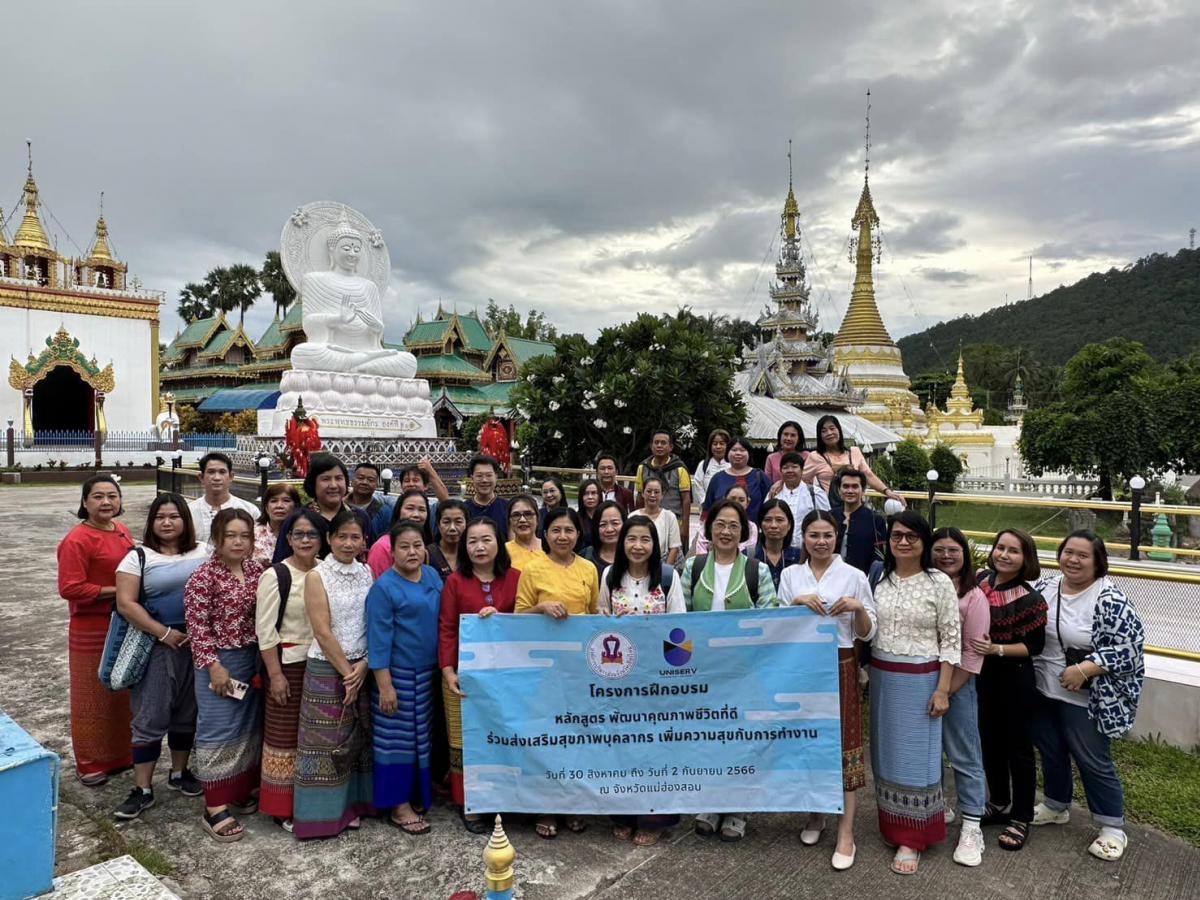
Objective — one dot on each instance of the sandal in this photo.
(1014, 836)
(1110, 845)
(547, 828)
(733, 828)
(414, 827)
(95, 779)
(706, 824)
(475, 826)
(576, 824)
(995, 815)
(646, 838)
(623, 832)
(223, 827)
(904, 856)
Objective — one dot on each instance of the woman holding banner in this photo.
(917, 645)
(559, 584)
(720, 580)
(829, 586)
(485, 583)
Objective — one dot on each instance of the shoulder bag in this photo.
(126, 649)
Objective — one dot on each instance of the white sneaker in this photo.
(969, 851)
(950, 817)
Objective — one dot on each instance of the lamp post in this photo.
(932, 476)
(264, 466)
(1137, 485)
(176, 462)
(386, 475)
(10, 443)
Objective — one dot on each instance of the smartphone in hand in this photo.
(238, 689)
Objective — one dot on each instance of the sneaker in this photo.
(137, 801)
(949, 816)
(186, 783)
(969, 851)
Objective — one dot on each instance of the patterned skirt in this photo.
(333, 755)
(906, 751)
(404, 740)
(99, 717)
(279, 746)
(229, 732)
(453, 706)
(854, 772)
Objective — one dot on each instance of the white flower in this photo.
(522, 412)
(554, 404)
(687, 432)
(588, 395)
(529, 378)
(586, 361)
(600, 423)
(558, 435)
(557, 379)
(589, 404)
(619, 403)
(627, 430)
(737, 360)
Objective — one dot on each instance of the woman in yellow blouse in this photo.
(558, 585)
(524, 545)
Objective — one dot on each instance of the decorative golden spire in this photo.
(31, 233)
(100, 249)
(498, 856)
(960, 395)
(863, 325)
(791, 209)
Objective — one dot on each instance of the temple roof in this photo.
(431, 334)
(449, 365)
(521, 350)
(294, 320)
(100, 251)
(863, 324)
(272, 338)
(223, 341)
(198, 332)
(766, 414)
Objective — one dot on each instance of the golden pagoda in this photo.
(100, 268)
(30, 255)
(864, 352)
(961, 424)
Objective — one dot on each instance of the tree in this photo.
(468, 439)
(235, 287)
(948, 466)
(244, 422)
(932, 387)
(910, 462)
(275, 283)
(1119, 416)
(195, 302)
(666, 371)
(737, 333)
(534, 328)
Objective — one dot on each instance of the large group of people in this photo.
(305, 656)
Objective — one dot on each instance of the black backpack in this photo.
(698, 563)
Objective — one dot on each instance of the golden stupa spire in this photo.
(31, 233)
(498, 856)
(863, 325)
(100, 250)
(791, 209)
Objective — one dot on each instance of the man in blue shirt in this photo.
(484, 472)
(862, 531)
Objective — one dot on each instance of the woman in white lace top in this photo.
(333, 755)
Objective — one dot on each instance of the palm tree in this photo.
(275, 283)
(195, 302)
(234, 287)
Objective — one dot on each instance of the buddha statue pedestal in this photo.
(348, 404)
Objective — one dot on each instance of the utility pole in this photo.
(1029, 296)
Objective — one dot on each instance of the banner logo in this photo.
(677, 650)
(611, 654)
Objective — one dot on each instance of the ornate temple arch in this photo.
(62, 351)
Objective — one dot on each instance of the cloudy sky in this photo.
(597, 159)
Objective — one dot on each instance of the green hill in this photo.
(1155, 301)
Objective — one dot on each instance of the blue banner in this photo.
(695, 712)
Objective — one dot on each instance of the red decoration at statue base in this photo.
(493, 442)
(302, 438)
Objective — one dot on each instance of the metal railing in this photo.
(117, 441)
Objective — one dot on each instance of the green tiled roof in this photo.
(476, 335)
(427, 332)
(197, 333)
(272, 338)
(294, 318)
(219, 344)
(449, 365)
(475, 399)
(523, 350)
(194, 394)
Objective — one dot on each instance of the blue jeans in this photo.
(960, 741)
(1063, 733)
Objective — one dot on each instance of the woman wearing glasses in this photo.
(917, 645)
(284, 635)
(524, 545)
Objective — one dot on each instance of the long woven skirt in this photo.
(333, 755)
(99, 717)
(854, 773)
(403, 741)
(906, 751)
(281, 724)
(229, 732)
(453, 706)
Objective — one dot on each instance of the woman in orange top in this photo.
(831, 455)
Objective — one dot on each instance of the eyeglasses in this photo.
(904, 537)
(306, 536)
(521, 515)
(726, 526)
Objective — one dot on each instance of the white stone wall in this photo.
(123, 342)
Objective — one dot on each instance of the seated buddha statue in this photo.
(342, 316)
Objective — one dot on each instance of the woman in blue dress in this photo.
(402, 642)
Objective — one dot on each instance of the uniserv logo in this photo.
(677, 649)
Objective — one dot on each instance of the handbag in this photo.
(126, 652)
(1073, 655)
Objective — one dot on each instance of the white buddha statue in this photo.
(343, 316)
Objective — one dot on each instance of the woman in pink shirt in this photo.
(960, 725)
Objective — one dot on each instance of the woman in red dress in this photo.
(485, 583)
(87, 576)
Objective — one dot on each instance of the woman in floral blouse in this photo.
(219, 606)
